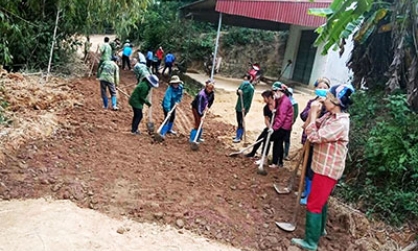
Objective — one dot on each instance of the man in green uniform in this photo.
(108, 75)
(105, 53)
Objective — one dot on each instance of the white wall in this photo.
(291, 52)
(330, 66)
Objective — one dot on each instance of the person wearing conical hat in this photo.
(173, 95)
(139, 98)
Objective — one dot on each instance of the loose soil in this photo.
(97, 163)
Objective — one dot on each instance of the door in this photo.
(305, 57)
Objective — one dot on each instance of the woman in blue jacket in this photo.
(173, 95)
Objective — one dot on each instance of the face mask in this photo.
(321, 93)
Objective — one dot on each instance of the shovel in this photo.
(289, 188)
(260, 169)
(194, 134)
(291, 226)
(150, 124)
(234, 154)
(243, 119)
(124, 93)
(157, 136)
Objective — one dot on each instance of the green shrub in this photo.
(244, 36)
(382, 171)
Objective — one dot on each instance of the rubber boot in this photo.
(164, 130)
(170, 126)
(105, 102)
(312, 232)
(238, 137)
(324, 220)
(114, 103)
(307, 191)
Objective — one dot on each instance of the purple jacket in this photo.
(203, 100)
(284, 114)
(305, 113)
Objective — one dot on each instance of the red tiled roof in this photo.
(282, 11)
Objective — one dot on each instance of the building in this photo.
(307, 62)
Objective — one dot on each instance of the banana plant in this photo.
(343, 18)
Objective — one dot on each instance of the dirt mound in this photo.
(95, 162)
(33, 108)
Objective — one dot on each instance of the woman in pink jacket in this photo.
(282, 124)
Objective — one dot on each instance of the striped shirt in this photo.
(329, 134)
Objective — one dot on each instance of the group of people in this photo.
(280, 113)
(325, 129)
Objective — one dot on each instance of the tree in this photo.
(382, 173)
(27, 25)
(385, 37)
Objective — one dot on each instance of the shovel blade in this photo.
(158, 137)
(234, 154)
(150, 127)
(194, 146)
(261, 171)
(279, 190)
(286, 226)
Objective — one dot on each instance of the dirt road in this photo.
(95, 162)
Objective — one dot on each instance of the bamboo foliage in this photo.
(27, 26)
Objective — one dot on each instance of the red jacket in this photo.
(284, 114)
(160, 54)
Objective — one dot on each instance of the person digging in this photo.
(173, 96)
(245, 94)
(108, 75)
(200, 104)
(329, 134)
(268, 97)
(139, 98)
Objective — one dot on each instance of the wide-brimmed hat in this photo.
(175, 80)
(153, 80)
(127, 41)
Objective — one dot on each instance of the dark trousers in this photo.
(107, 85)
(197, 118)
(240, 119)
(136, 119)
(263, 135)
(127, 61)
(169, 66)
(309, 172)
(278, 138)
(155, 66)
(173, 116)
